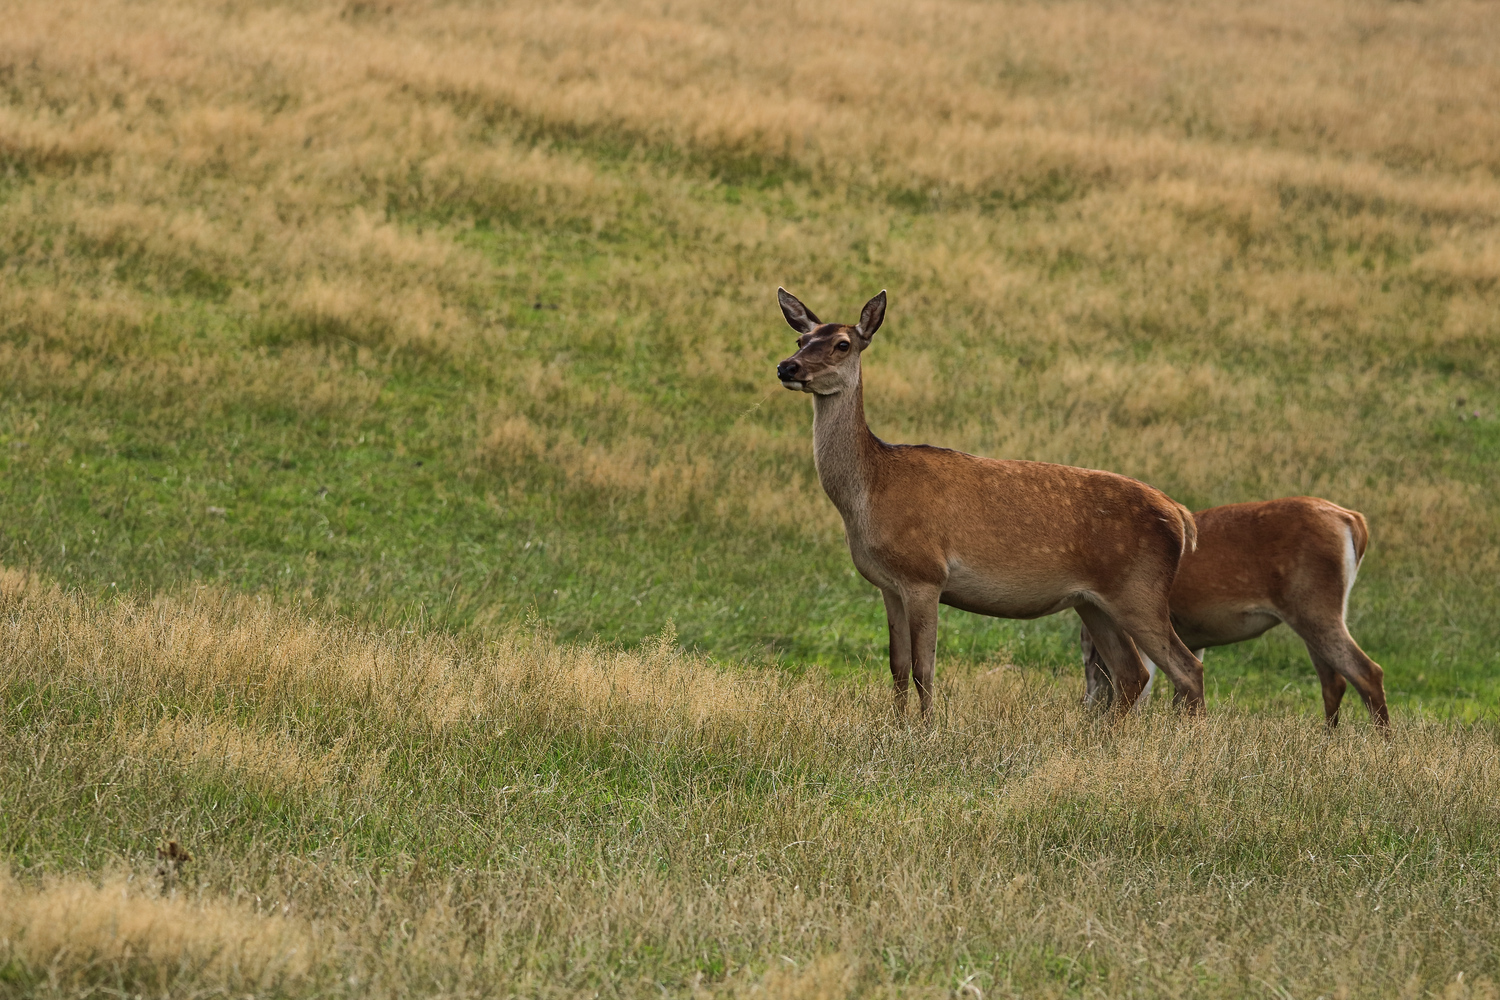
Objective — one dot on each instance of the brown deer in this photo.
(1012, 539)
(1260, 564)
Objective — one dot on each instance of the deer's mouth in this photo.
(794, 386)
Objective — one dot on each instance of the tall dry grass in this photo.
(396, 813)
(270, 157)
(77, 935)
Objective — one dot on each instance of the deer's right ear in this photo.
(870, 319)
(798, 316)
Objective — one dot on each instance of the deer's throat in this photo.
(841, 451)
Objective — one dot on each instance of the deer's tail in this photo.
(1190, 528)
(1359, 531)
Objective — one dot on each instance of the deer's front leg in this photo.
(922, 617)
(900, 633)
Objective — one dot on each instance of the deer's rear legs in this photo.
(1127, 674)
(1333, 690)
(1098, 687)
(1332, 648)
(1151, 628)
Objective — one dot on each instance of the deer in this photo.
(999, 537)
(1260, 564)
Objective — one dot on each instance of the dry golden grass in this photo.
(395, 813)
(77, 934)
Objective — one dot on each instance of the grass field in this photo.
(396, 815)
(417, 321)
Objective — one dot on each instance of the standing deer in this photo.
(1012, 539)
(1260, 564)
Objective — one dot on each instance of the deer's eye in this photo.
(842, 345)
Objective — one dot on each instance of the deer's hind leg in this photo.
(1148, 621)
(1315, 611)
(1127, 674)
(1334, 652)
(1185, 669)
(1334, 686)
(1098, 687)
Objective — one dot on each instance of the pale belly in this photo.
(1008, 598)
(1222, 626)
(980, 594)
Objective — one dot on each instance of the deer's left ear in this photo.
(798, 316)
(870, 319)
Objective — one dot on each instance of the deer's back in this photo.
(935, 513)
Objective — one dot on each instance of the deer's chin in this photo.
(794, 386)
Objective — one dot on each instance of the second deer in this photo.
(1010, 539)
(1258, 565)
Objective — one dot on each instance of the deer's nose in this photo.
(787, 370)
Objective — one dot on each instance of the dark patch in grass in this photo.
(1047, 190)
(288, 331)
(202, 284)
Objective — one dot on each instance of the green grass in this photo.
(372, 503)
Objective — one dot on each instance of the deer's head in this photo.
(827, 358)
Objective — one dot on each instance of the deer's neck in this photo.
(844, 450)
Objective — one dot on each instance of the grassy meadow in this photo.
(391, 814)
(380, 382)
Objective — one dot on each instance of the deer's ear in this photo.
(870, 319)
(798, 316)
